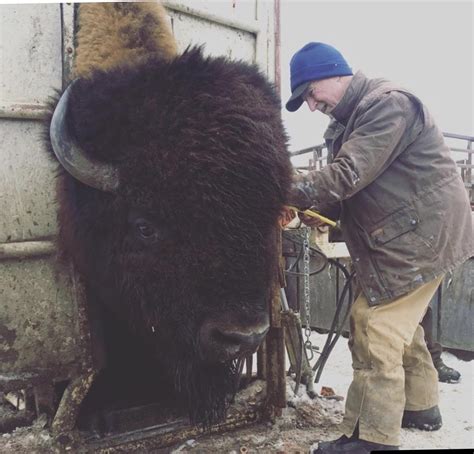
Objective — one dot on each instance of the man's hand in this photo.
(302, 192)
(286, 216)
(311, 221)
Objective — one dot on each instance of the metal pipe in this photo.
(449, 135)
(308, 150)
(26, 249)
(462, 150)
(18, 111)
(458, 136)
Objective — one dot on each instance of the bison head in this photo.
(175, 175)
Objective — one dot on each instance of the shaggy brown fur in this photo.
(116, 34)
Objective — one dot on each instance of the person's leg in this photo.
(434, 347)
(380, 334)
(421, 386)
(421, 379)
(445, 373)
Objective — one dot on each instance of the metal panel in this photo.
(41, 323)
(30, 52)
(239, 30)
(456, 311)
(27, 207)
(33, 338)
(325, 289)
(218, 39)
(241, 14)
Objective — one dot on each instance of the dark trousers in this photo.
(434, 347)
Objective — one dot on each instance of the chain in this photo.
(306, 293)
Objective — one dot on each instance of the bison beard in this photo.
(180, 259)
(209, 388)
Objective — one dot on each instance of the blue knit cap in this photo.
(315, 61)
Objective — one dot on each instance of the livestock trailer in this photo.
(46, 348)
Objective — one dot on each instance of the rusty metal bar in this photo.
(66, 416)
(262, 360)
(68, 48)
(162, 436)
(26, 249)
(275, 344)
(23, 111)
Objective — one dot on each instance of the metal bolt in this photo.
(413, 222)
(69, 50)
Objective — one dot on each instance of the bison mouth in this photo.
(210, 379)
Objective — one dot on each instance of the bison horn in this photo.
(80, 166)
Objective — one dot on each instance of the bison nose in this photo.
(223, 339)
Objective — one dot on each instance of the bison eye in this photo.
(146, 230)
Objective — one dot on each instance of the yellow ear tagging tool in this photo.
(314, 214)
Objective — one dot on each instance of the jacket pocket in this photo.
(395, 225)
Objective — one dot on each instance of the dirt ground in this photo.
(305, 420)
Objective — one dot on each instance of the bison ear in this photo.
(74, 160)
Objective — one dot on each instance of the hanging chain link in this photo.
(306, 293)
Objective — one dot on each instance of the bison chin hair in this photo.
(209, 388)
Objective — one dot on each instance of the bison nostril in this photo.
(222, 341)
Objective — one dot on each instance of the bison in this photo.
(174, 170)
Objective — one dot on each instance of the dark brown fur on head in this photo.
(201, 153)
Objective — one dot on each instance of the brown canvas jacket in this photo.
(405, 214)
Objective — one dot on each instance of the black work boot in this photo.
(351, 445)
(424, 419)
(446, 374)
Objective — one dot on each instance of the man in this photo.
(406, 220)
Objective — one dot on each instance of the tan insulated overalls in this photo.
(393, 370)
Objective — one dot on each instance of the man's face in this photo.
(322, 95)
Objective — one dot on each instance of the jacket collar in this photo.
(354, 93)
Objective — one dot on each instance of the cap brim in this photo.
(295, 101)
